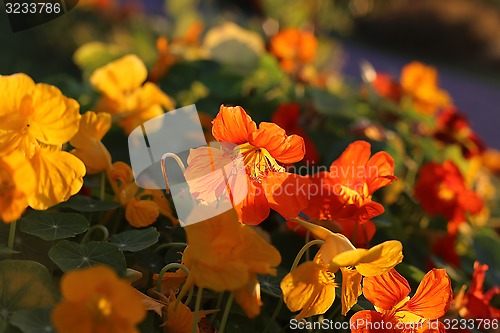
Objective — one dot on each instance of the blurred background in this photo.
(460, 37)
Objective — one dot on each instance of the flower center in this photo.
(100, 307)
(357, 197)
(258, 161)
(445, 194)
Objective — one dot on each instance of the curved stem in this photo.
(303, 250)
(167, 268)
(229, 303)
(102, 194)
(308, 237)
(103, 229)
(167, 245)
(217, 307)
(164, 171)
(199, 296)
(275, 314)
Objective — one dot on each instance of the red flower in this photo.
(476, 302)
(387, 87)
(287, 117)
(441, 190)
(453, 127)
(344, 194)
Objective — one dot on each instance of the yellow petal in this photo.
(351, 288)
(119, 76)
(381, 258)
(12, 90)
(334, 245)
(55, 117)
(309, 289)
(92, 126)
(18, 181)
(59, 175)
(94, 155)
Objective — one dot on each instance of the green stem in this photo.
(12, 235)
(103, 229)
(217, 307)
(308, 237)
(197, 309)
(275, 314)
(102, 194)
(223, 323)
(165, 269)
(167, 245)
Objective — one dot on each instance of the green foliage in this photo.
(135, 240)
(53, 225)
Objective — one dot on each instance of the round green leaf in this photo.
(70, 255)
(82, 203)
(54, 225)
(25, 284)
(135, 240)
(33, 320)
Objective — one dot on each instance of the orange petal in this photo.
(379, 171)
(255, 207)
(285, 149)
(233, 124)
(286, 192)
(386, 290)
(309, 289)
(433, 296)
(346, 168)
(141, 213)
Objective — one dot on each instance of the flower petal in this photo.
(55, 118)
(119, 76)
(254, 208)
(379, 171)
(387, 290)
(433, 296)
(141, 213)
(368, 321)
(351, 288)
(381, 258)
(233, 124)
(309, 289)
(248, 297)
(59, 174)
(285, 149)
(346, 168)
(286, 192)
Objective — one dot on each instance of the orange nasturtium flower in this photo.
(310, 288)
(37, 120)
(96, 300)
(17, 183)
(294, 48)
(225, 255)
(87, 142)
(441, 189)
(344, 194)
(262, 149)
(142, 207)
(389, 294)
(125, 96)
(420, 83)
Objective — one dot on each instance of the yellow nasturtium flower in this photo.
(17, 183)
(87, 142)
(310, 288)
(37, 120)
(125, 96)
(225, 255)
